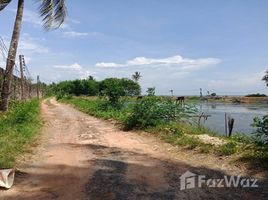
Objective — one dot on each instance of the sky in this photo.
(218, 45)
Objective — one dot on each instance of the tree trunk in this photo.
(5, 94)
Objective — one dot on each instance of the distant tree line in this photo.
(256, 95)
(112, 88)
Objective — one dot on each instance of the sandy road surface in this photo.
(80, 157)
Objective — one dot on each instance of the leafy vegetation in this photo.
(18, 128)
(111, 88)
(114, 88)
(151, 111)
(261, 133)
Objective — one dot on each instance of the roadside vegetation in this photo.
(18, 128)
(165, 118)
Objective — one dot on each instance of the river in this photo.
(242, 113)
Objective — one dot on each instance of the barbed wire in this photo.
(16, 72)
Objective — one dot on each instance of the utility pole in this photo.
(37, 86)
(22, 65)
(201, 93)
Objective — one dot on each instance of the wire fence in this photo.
(22, 86)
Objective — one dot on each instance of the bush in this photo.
(114, 88)
(261, 132)
(77, 87)
(152, 111)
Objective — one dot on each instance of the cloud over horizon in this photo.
(173, 61)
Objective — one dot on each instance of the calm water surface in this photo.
(242, 113)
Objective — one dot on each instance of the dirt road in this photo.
(80, 157)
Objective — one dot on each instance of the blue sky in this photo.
(218, 45)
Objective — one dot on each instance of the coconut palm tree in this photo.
(136, 76)
(52, 12)
(265, 78)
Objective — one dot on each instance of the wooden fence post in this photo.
(37, 86)
(22, 77)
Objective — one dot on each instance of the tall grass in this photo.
(18, 128)
(100, 108)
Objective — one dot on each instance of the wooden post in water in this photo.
(230, 125)
(225, 123)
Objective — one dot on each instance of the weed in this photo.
(18, 128)
(227, 149)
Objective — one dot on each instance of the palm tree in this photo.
(136, 76)
(265, 78)
(52, 12)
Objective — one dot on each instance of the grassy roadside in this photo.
(184, 135)
(18, 128)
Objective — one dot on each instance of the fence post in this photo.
(37, 86)
(225, 123)
(230, 125)
(21, 77)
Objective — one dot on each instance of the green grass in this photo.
(256, 157)
(227, 149)
(98, 108)
(18, 128)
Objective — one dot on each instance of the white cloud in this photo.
(102, 64)
(70, 34)
(74, 66)
(173, 61)
(72, 71)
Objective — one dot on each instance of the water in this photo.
(242, 113)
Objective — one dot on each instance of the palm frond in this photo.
(4, 3)
(53, 13)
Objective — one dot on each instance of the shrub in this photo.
(261, 133)
(114, 88)
(60, 95)
(152, 111)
